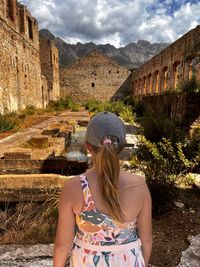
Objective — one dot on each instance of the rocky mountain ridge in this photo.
(131, 56)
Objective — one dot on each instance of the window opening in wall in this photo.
(10, 8)
(2, 4)
(109, 71)
(21, 21)
(30, 30)
(93, 84)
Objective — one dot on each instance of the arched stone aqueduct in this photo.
(176, 63)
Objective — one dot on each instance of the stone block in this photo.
(51, 131)
(39, 141)
(17, 153)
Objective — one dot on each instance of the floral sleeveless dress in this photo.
(99, 242)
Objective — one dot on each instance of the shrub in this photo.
(157, 126)
(139, 107)
(94, 105)
(8, 122)
(127, 114)
(28, 111)
(64, 103)
(190, 86)
(117, 107)
(162, 163)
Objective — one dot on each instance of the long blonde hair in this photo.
(108, 168)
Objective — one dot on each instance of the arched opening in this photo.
(194, 69)
(93, 85)
(135, 87)
(177, 73)
(164, 79)
(30, 29)
(10, 9)
(140, 87)
(156, 82)
(144, 86)
(149, 84)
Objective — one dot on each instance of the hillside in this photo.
(131, 56)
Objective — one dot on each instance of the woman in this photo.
(104, 214)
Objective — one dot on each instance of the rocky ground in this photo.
(41, 255)
(176, 235)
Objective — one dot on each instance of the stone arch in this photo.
(195, 67)
(144, 87)
(156, 79)
(149, 83)
(164, 79)
(140, 87)
(177, 73)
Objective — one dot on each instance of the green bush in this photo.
(8, 122)
(127, 114)
(162, 163)
(64, 103)
(118, 107)
(94, 105)
(157, 126)
(138, 107)
(190, 86)
(28, 111)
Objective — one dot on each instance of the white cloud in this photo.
(114, 21)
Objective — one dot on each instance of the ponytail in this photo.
(108, 167)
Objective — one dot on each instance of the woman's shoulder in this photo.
(131, 180)
(72, 185)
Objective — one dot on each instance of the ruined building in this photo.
(21, 82)
(165, 71)
(50, 66)
(94, 76)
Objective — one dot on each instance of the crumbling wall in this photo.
(50, 67)
(93, 76)
(165, 71)
(20, 71)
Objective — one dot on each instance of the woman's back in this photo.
(98, 238)
(131, 192)
(105, 213)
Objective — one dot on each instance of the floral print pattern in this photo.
(97, 228)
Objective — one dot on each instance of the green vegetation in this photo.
(118, 107)
(192, 85)
(165, 153)
(8, 122)
(156, 126)
(13, 121)
(163, 164)
(64, 103)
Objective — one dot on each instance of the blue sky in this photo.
(117, 22)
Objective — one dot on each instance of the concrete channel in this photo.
(33, 162)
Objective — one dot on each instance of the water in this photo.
(76, 150)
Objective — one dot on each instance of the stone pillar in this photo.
(145, 85)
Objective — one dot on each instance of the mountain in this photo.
(131, 56)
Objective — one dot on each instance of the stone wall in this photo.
(45, 92)
(165, 71)
(20, 71)
(94, 76)
(50, 67)
(182, 108)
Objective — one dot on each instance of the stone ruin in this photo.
(25, 79)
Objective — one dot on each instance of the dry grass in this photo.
(29, 223)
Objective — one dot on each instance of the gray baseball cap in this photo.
(103, 125)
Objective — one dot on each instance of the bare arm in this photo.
(66, 226)
(145, 225)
